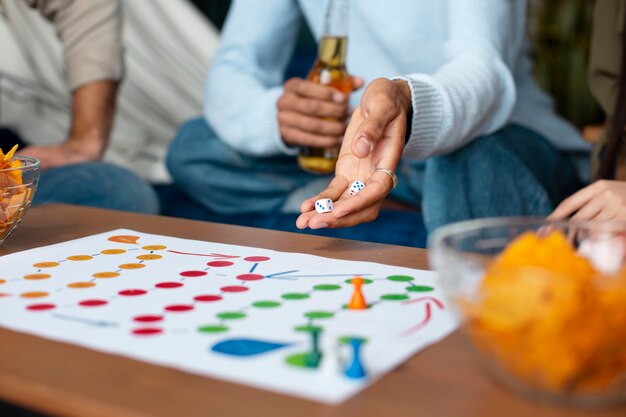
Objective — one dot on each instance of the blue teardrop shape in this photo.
(246, 347)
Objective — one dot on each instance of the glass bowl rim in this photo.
(31, 162)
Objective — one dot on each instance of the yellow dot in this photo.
(46, 264)
(37, 276)
(131, 266)
(113, 251)
(154, 247)
(84, 284)
(34, 294)
(2, 281)
(79, 258)
(105, 275)
(149, 257)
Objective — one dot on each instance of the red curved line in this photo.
(210, 255)
(420, 325)
(417, 300)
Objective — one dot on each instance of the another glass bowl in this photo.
(554, 329)
(17, 189)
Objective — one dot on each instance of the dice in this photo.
(324, 205)
(355, 187)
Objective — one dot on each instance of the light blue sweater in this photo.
(465, 61)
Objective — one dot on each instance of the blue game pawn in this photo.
(356, 370)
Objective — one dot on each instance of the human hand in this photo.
(310, 114)
(70, 152)
(374, 139)
(602, 200)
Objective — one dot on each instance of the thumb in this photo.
(371, 131)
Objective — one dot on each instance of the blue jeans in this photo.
(512, 172)
(96, 184)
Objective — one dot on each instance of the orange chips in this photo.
(550, 318)
(12, 192)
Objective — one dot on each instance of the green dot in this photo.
(420, 288)
(394, 297)
(345, 340)
(295, 296)
(327, 287)
(266, 304)
(319, 315)
(308, 329)
(212, 329)
(365, 281)
(299, 360)
(400, 278)
(231, 315)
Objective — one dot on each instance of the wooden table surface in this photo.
(65, 380)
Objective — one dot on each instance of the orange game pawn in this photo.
(357, 302)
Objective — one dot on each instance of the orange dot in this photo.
(105, 275)
(131, 266)
(46, 264)
(34, 294)
(2, 281)
(149, 257)
(84, 284)
(125, 239)
(113, 251)
(79, 258)
(154, 247)
(37, 276)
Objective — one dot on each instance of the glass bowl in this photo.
(544, 303)
(17, 188)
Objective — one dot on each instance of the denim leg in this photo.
(513, 172)
(96, 184)
(225, 181)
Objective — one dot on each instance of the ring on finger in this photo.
(392, 175)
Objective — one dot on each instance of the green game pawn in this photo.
(314, 357)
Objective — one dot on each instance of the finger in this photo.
(299, 137)
(335, 189)
(590, 210)
(376, 189)
(312, 107)
(372, 129)
(574, 202)
(357, 83)
(327, 220)
(309, 89)
(314, 125)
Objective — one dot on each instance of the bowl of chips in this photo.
(544, 303)
(18, 183)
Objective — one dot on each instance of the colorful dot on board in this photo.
(34, 294)
(132, 292)
(319, 315)
(365, 281)
(219, 264)
(234, 288)
(149, 257)
(93, 303)
(420, 288)
(327, 287)
(148, 331)
(250, 277)
(148, 318)
(3, 281)
(106, 275)
(208, 298)
(46, 264)
(345, 340)
(113, 251)
(4, 294)
(308, 329)
(266, 304)
(231, 315)
(394, 297)
(179, 308)
(192, 274)
(168, 285)
(299, 360)
(295, 296)
(79, 258)
(400, 278)
(132, 266)
(41, 307)
(84, 284)
(154, 247)
(212, 329)
(35, 277)
(124, 239)
(256, 258)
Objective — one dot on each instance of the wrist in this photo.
(404, 95)
(91, 146)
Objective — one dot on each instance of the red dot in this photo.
(207, 298)
(132, 293)
(256, 258)
(193, 274)
(249, 277)
(169, 285)
(179, 308)
(147, 331)
(93, 303)
(219, 264)
(41, 307)
(4, 294)
(148, 318)
(234, 288)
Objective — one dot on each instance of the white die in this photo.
(324, 205)
(355, 187)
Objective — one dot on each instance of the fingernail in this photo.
(338, 98)
(363, 145)
(319, 226)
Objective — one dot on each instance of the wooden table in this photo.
(66, 380)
